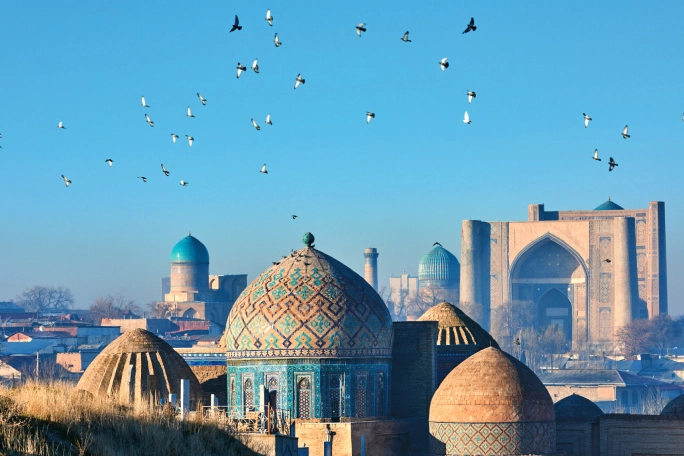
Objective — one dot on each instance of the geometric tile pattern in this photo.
(492, 438)
(309, 305)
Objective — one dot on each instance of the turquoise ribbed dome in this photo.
(190, 249)
(439, 265)
(609, 206)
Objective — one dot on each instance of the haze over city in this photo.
(398, 183)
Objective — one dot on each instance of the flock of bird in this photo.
(360, 29)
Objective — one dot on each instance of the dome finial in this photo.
(189, 233)
(608, 197)
(308, 239)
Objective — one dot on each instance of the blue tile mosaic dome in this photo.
(309, 305)
(439, 265)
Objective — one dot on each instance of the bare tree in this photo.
(636, 337)
(41, 298)
(112, 306)
(509, 320)
(663, 332)
(160, 309)
(552, 341)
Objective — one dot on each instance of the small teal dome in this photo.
(190, 249)
(609, 206)
(439, 265)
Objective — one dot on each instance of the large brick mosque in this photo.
(315, 340)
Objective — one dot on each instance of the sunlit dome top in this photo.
(190, 249)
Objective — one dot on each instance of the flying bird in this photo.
(444, 64)
(436, 243)
(625, 132)
(299, 80)
(611, 164)
(255, 65)
(184, 183)
(277, 41)
(166, 173)
(0, 135)
(67, 182)
(190, 139)
(596, 157)
(517, 341)
(470, 26)
(269, 18)
(405, 38)
(144, 179)
(110, 161)
(294, 217)
(360, 28)
(255, 125)
(607, 260)
(61, 125)
(240, 69)
(466, 118)
(369, 116)
(268, 119)
(174, 137)
(144, 104)
(263, 169)
(587, 119)
(202, 99)
(189, 114)
(236, 25)
(471, 95)
(149, 121)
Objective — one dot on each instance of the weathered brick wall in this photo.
(414, 368)
(621, 435)
(574, 436)
(213, 381)
(270, 445)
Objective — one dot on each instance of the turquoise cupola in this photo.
(190, 249)
(189, 267)
(609, 206)
(439, 274)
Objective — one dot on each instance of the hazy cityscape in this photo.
(356, 229)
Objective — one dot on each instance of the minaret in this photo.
(371, 267)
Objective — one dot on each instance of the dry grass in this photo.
(46, 419)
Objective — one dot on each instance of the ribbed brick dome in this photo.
(439, 267)
(457, 328)
(138, 365)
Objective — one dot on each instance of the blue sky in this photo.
(399, 184)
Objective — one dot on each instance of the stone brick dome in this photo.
(675, 407)
(309, 305)
(457, 328)
(576, 406)
(138, 366)
(492, 404)
(189, 250)
(439, 267)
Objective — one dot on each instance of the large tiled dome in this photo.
(138, 365)
(492, 404)
(190, 249)
(309, 305)
(457, 328)
(439, 267)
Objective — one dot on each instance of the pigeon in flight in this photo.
(255, 125)
(189, 114)
(174, 137)
(369, 116)
(149, 121)
(236, 26)
(611, 164)
(405, 38)
(596, 157)
(263, 169)
(470, 26)
(299, 80)
(436, 243)
(202, 99)
(587, 119)
(190, 139)
(67, 182)
(240, 69)
(471, 95)
(294, 217)
(61, 125)
(184, 183)
(277, 41)
(360, 28)
(269, 18)
(625, 132)
(607, 260)
(144, 179)
(268, 119)
(166, 173)
(110, 161)
(144, 104)
(255, 66)
(444, 64)
(466, 118)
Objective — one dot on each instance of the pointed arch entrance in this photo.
(554, 309)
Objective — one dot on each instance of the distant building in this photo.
(439, 276)
(402, 288)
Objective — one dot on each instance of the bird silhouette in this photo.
(148, 120)
(405, 38)
(202, 99)
(144, 179)
(360, 28)
(268, 119)
(294, 217)
(255, 66)
(190, 139)
(189, 114)
(164, 170)
(517, 341)
(236, 25)
(625, 132)
(607, 260)
(110, 161)
(466, 118)
(174, 137)
(67, 182)
(184, 183)
(587, 119)
(276, 40)
(144, 104)
(444, 64)
(471, 95)
(254, 124)
(369, 116)
(596, 157)
(611, 164)
(299, 80)
(240, 69)
(470, 26)
(269, 18)
(263, 169)
(61, 125)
